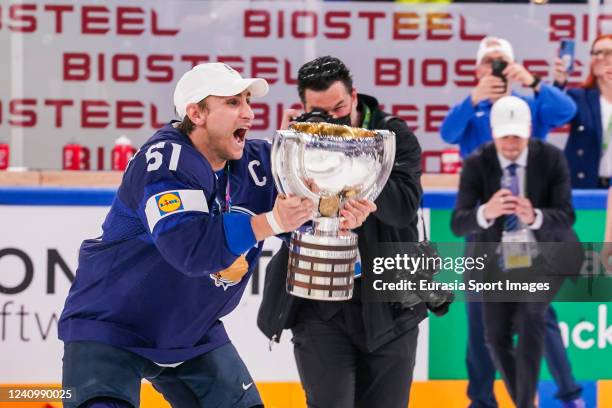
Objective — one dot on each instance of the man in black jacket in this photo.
(533, 205)
(353, 353)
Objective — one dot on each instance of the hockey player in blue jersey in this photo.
(178, 246)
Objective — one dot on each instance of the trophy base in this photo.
(321, 267)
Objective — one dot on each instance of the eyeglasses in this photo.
(607, 53)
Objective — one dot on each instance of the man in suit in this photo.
(535, 206)
(353, 352)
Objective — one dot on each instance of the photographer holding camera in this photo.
(467, 123)
(352, 353)
(516, 191)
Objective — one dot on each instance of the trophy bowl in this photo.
(328, 164)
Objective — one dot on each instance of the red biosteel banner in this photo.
(90, 71)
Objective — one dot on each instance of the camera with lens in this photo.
(437, 301)
(317, 115)
(497, 69)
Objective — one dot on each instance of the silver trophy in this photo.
(328, 164)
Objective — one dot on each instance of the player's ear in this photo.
(197, 115)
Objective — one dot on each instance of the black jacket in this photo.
(548, 188)
(394, 221)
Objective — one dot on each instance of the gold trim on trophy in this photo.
(329, 206)
(328, 129)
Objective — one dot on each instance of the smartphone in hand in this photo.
(566, 53)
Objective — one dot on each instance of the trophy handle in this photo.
(288, 174)
(387, 162)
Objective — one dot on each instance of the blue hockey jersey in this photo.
(149, 283)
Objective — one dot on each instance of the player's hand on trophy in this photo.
(354, 213)
(291, 212)
(235, 271)
(288, 116)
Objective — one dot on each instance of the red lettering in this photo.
(602, 18)
(310, 24)
(58, 10)
(125, 23)
(561, 26)
(155, 124)
(463, 31)
(155, 30)
(371, 16)
(90, 111)
(466, 68)
(101, 68)
(260, 69)
(256, 24)
(399, 26)
(537, 67)
(289, 80)
(132, 64)
(261, 121)
(92, 22)
(411, 72)
(434, 23)
(343, 26)
(76, 66)
(155, 64)
(387, 72)
(26, 22)
(281, 24)
(17, 108)
(58, 104)
(425, 72)
(124, 113)
(434, 115)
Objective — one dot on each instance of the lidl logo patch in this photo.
(169, 202)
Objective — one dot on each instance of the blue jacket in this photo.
(469, 125)
(583, 148)
(149, 284)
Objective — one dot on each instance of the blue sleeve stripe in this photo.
(238, 232)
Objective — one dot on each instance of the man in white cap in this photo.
(467, 123)
(179, 244)
(517, 190)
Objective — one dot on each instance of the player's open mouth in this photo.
(240, 134)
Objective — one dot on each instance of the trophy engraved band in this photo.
(328, 164)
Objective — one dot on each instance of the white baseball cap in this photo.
(491, 44)
(511, 116)
(214, 78)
